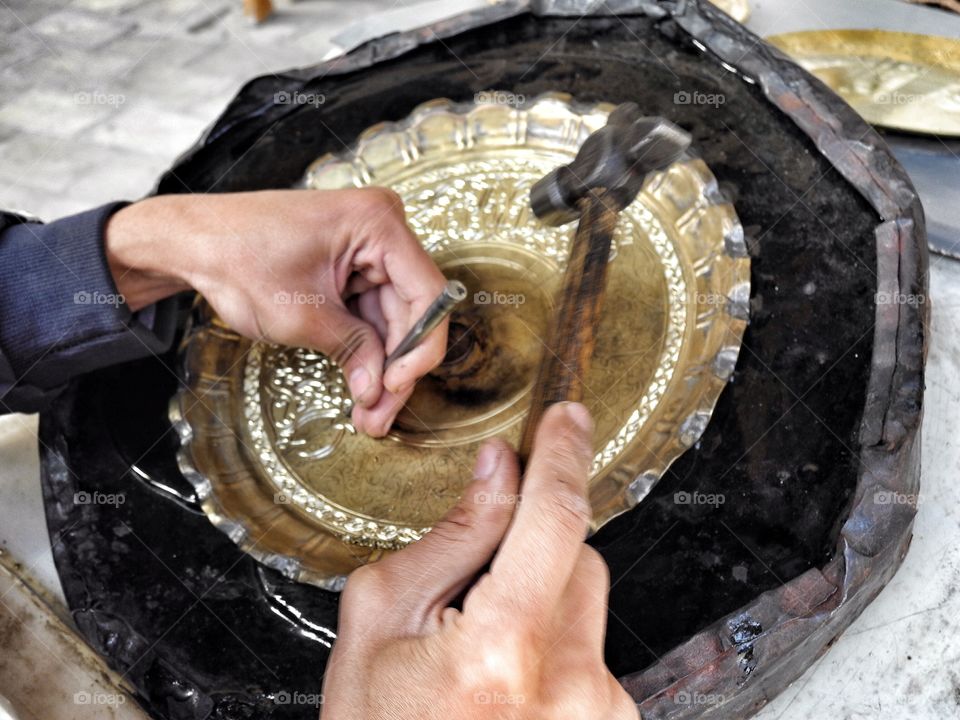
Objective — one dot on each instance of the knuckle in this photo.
(383, 199)
(362, 582)
(387, 195)
(364, 592)
(455, 523)
(496, 665)
(593, 567)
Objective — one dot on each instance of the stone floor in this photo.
(98, 96)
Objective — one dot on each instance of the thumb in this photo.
(436, 568)
(356, 347)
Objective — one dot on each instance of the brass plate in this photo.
(266, 433)
(896, 80)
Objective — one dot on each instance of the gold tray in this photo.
(896, 80)
(266, 435)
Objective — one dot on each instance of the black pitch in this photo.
(196, 625)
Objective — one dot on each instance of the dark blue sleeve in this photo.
(60, 312)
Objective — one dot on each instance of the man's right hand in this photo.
(528, 643)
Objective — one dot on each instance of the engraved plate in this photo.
(316, 498)
(896, 80)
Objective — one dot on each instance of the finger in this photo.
(368, 307)
(415, 364)
(541, 548)
(583, 611)
(435, 569)
(400, 318)
(410, 281)
(357, 284)
(415, 282)
(377, 419)
(356, 347)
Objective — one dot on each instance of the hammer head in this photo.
(616, 157)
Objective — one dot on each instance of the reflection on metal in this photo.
(895, 80)
(739, 10)
(270, 446)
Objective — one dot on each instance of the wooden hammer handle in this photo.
(569, 344)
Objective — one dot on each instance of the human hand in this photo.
(528, 643)
(335, 270)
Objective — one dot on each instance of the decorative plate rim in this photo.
(709, 377)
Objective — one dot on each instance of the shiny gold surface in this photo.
(896, 80)
(270, 444)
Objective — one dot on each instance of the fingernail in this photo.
(578, 413)
(359, 384)
(487, 461)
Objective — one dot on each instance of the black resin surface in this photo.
(203, 631)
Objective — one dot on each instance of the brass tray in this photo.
(902, 81)
(265, 430)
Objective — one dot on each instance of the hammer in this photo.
(603, 179)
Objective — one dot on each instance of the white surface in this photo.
(770, 17)
(897, 661)
(23, 527)
(46, 671)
